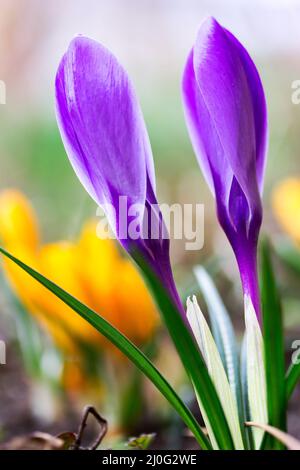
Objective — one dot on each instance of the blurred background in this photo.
(151, 38)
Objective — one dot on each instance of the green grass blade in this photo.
(121, 342)
(192, 361)
(273, 343)
(292, 378)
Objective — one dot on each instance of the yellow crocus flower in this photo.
(91, 269)
(18, 223)
(286, 206)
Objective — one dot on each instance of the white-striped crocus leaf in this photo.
(216, 371)
(256, 378)
(221, 328)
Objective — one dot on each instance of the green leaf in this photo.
(256, 380)
(223, 334)
(128, 348)
(217, 372)
(273, 343)
(292, 378)
(192, 360)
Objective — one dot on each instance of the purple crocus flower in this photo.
(106, 140)
(226, 116)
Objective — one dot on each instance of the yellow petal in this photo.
(99, 258)
(58, 262)
(99, 261)
(138, 314)
(114, 287)
(18, 224)
(286, 206)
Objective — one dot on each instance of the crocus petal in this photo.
(222, 67)
(196, 116)
(259, 108)
(102, 125)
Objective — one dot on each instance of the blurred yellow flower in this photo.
(286, 206)
(91, 269)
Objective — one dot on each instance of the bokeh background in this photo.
(151, 38)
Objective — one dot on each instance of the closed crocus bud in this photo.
(106, 140)
(226, 116)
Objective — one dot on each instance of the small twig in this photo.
(90, 410)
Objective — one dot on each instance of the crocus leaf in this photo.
(223, 334)
(244, 388)
(256, 380)
(292, 378)
(273, 343)
(191, 358)
(291, 256)
(216, 370)
(122, 343)
(289, 441)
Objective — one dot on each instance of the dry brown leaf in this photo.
(289, 441)
(34, 441)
